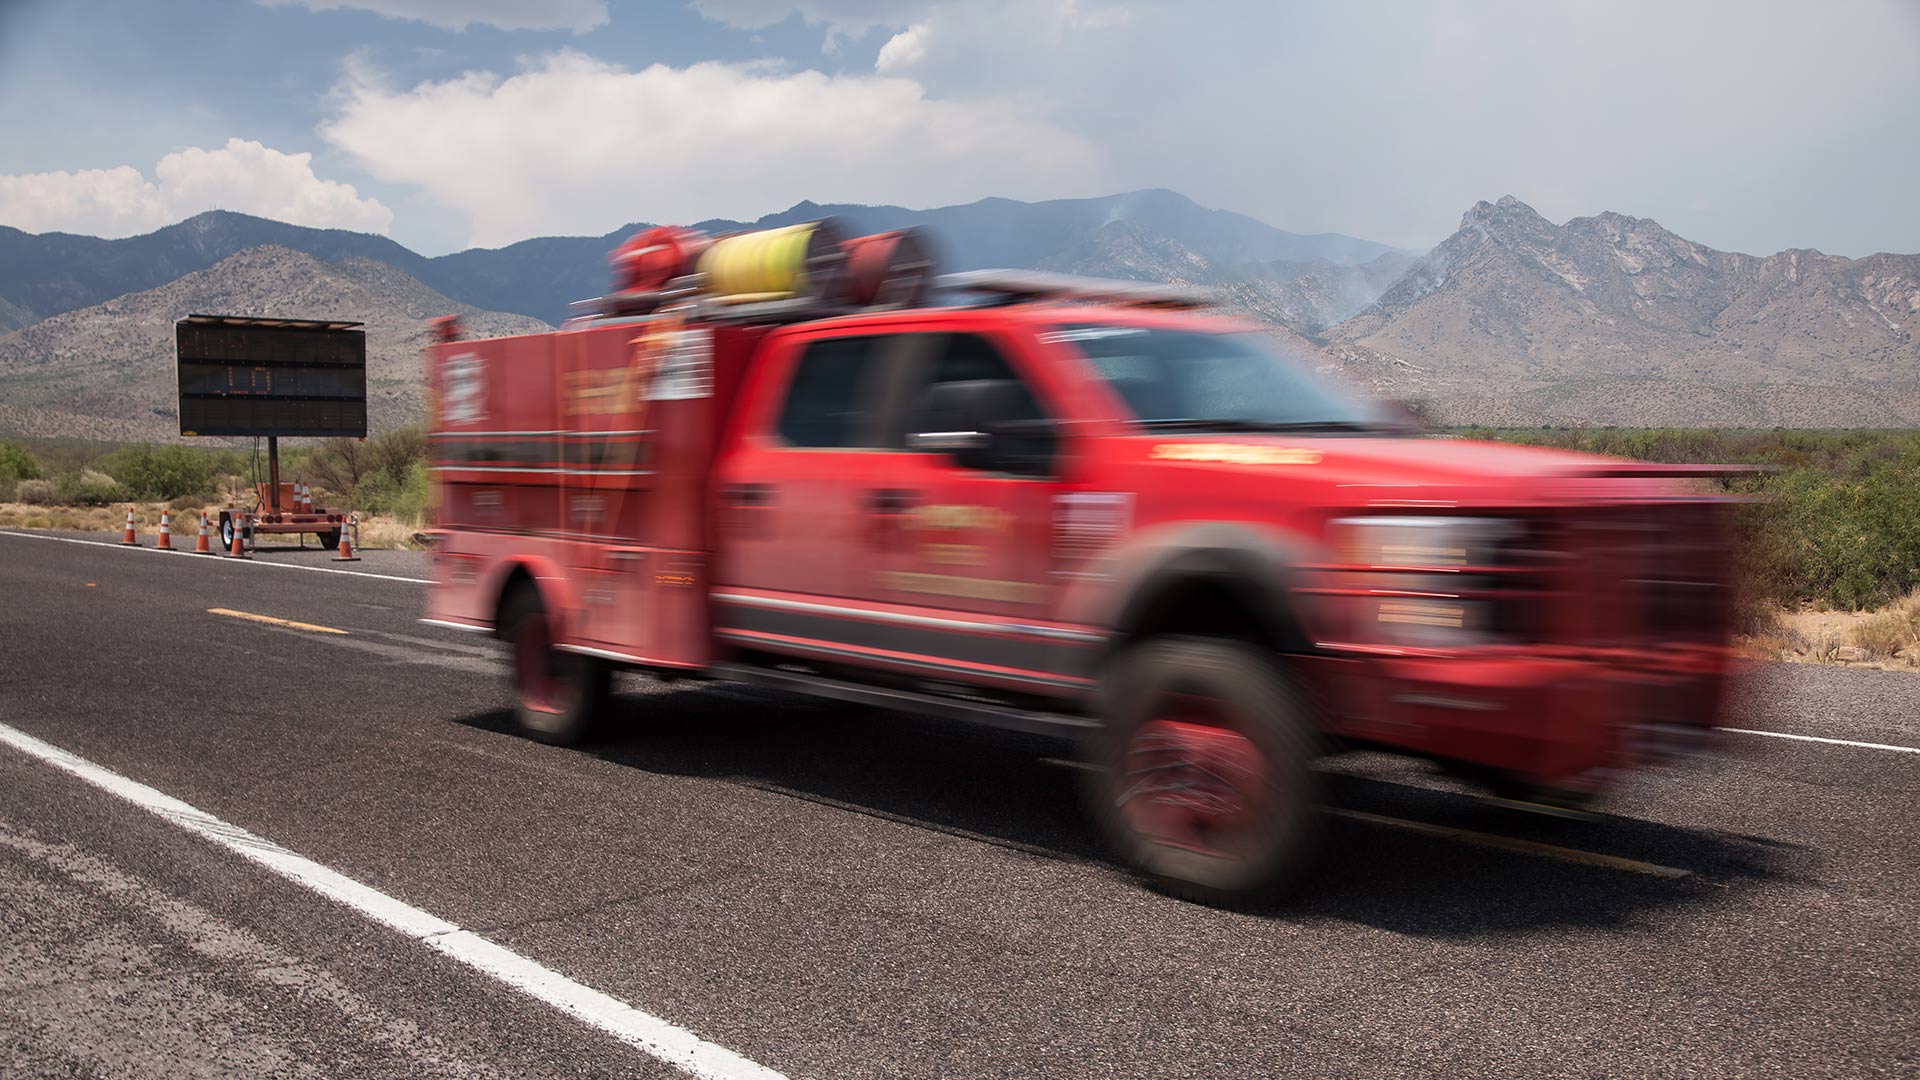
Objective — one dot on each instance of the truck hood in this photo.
(1373, 470)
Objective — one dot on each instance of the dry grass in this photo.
(376, 531)
(1888, 638)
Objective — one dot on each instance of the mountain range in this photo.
(1513, 319)
(52, 273)
(106, 372)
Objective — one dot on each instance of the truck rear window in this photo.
(1195, 377)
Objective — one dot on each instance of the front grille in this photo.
(1654, 573)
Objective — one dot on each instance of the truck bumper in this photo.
(1574, 723)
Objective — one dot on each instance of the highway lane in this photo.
(839, 894)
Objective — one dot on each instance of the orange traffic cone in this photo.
(201, 544)
(128, 538)
(239, 550)
(346, 553)
(306, 499)
(165, 540)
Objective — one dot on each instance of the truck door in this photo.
(972, 541)
(792, 495)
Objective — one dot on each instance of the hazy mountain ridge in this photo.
(107, 371)
(50, 273)
(1512, 305)
(1607, 319)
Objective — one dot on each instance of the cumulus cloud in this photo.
(902, 50)
(243, 175)
(578, 16)
(576, 145)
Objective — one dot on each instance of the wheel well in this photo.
(517, 579)
(1213, 606)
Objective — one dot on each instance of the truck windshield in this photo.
(1212, 381)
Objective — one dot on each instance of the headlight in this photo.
(1416, 581)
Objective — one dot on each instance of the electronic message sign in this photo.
(254, 376)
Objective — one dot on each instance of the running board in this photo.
(909, 701)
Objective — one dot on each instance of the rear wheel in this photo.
(1203, 779)
(330, 540)
(558, 695)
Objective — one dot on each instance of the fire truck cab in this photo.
(1089, 509)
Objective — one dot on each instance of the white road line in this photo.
(1822, 739)
(212, 560)
(650, 1034)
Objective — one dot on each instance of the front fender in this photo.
(1258, 566)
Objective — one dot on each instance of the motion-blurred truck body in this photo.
(1058, 505)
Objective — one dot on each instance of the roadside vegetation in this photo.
(1830, 558)
(73, 484)
(1830, 554)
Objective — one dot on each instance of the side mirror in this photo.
(969, 420)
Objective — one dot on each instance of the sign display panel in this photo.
(254, 376)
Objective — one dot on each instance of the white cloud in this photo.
(243, 175)
(902, 50)
(578, 16)
(575, 145)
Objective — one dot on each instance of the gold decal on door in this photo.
(967, 588)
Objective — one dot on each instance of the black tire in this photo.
(559, 697)
(1202, 777)
(226, 534)
(330, 540)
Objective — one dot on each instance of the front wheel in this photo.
(558, 695)
(1203, 777)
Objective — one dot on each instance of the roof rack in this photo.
(1015, 286)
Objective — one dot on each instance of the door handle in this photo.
(890, 500)
(742, 495)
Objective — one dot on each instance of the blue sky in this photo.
(1750, 126)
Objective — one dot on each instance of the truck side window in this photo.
(968, 357)
(827, 400)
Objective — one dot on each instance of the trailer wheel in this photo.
(227, 526)
(329, 540)
(1203, 777)
(558, 696)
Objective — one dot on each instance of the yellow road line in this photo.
(271, 621)
(1508, 843)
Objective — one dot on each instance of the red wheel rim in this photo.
(533, 665)
(1194, 781)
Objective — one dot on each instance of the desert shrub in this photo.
(162, 472)
(405, 499)
(384, 474)
(1836, 522)
(186, 502)
(88, 488)
(17, 462)
(1884, 634)
(35, 492)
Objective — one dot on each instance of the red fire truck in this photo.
(1057, 505)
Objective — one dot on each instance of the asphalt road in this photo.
(843, 895)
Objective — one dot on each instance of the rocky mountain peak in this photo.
(1504, 212)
